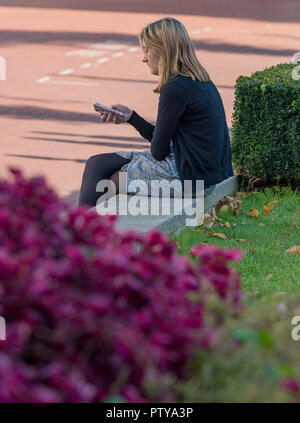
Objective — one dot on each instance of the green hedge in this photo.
(266, 125)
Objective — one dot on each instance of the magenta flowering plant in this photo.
(93, 312)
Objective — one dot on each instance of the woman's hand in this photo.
(111, 117)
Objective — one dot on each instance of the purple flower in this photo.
(92, 312)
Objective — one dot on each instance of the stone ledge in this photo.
(170, 223)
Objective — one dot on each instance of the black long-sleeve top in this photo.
(191, 114)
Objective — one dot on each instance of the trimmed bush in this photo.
(89, 315)
(266, 125)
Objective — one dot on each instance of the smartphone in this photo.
(101, 108)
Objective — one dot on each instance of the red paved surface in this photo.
(50, 128)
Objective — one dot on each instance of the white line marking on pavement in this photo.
(118, 54)
(207, 29)
(196, 31)
(133, 49)
(66, 72)
(85, 53)
(85, 66)
(74, 83)
(43, 80)
(103, 60)
(107, 46)
(115, 42)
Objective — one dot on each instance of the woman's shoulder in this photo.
(183, 87)
(187, 82)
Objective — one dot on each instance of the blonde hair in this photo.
(170, 40)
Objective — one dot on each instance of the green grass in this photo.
(264, 253)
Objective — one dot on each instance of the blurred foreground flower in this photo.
(91, 316)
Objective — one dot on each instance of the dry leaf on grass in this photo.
(230, 202)
(253, 213)
(269, 276)
(241, 240)
(227, 224)
(267, 209)
(214, 215)
(224, 208)
(295, 250)
(285, 233)
(210, 219)
(218, 235)
(202, 231)
(233, 202)
(261, 224)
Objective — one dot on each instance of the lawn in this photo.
(266, 265)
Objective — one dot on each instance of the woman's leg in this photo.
(97, 168)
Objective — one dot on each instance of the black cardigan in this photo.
(191, 114)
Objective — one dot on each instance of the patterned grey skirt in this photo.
(144, 167)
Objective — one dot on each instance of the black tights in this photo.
(97, 168)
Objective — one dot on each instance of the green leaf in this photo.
(285, 370)
(266, 339)
(244, 334)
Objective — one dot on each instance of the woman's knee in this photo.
(94, 160)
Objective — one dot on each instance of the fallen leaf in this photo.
(253, 213)
(241, 240)
(261, 224)
(233, 202)
(285, 233)
(273, 203)
(294, 223)
(202, 231)
(269, 276)
(220, 203)
(224, 208)
(295, 250)
(227, 224)
(228, 201)
(234, 211)
(218, 235)
(267, 209)
(214, 215)
(208, 220)
(250, 251)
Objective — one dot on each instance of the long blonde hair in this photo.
(170, 40)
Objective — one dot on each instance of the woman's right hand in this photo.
(111, 117)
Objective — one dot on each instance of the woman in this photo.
(190, 140)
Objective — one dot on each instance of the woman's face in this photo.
(152, 60)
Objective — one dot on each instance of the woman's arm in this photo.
(172, 103)
(145, 128)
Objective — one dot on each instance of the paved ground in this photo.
(59, 61)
